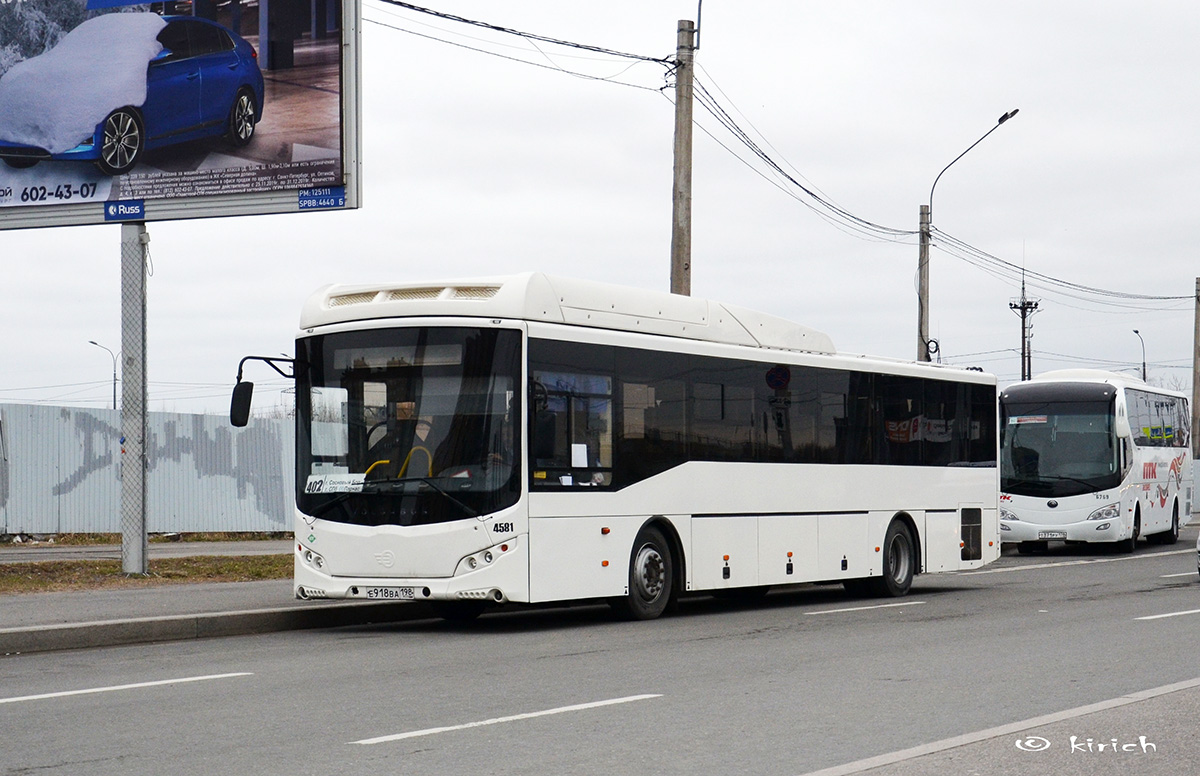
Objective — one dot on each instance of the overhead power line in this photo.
(526, 35)
(805, 193)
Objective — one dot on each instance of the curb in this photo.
(142, 630)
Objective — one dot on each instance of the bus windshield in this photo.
(408, 426)
(1057, 448)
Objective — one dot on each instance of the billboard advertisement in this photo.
(112, 111)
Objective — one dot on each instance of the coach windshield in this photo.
(408, 426)
(1059, 443)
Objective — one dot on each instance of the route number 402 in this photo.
(502, 528)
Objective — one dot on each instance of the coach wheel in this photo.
(1128, 545)
(651, 577)
(899, 560)
(1171, 535)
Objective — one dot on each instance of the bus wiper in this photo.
(340, 498)
(382, 486)
(343, 497)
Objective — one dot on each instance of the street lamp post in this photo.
(1135, 331)
(114, 365)
(926, 222)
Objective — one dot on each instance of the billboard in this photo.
(113, 111)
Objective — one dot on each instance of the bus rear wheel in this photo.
(899, 560)
(899, 566)
(651, 577)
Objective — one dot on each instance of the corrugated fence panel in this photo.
(206, 475)
(60, 472)
(87, 490)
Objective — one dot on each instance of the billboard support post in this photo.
(134, 265)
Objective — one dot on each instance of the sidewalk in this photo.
(38, 622)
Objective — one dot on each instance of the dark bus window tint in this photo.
(856, 437)
(722, 423)
(981, 426)
(940, 433)
(614, 416)
(900, 403)
(832, 388)
(654, 389)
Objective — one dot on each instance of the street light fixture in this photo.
(923, 261)
(114, 364)
(1135, 331)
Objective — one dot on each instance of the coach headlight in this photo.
(1109, 512)
(1006, 515)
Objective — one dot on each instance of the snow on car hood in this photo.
(56, 99)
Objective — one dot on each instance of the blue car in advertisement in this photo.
(180, 79)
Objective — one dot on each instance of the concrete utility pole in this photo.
(681, 222)
(1196, 378)
(134, 240)
(923, 289)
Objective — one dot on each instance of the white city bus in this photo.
(1092, 456)
(536, 439)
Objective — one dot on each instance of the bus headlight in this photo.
(1006, 515)
(1109, 512)
(312, 559)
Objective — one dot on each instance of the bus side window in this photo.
(545, 430)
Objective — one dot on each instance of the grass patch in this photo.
(62, 575)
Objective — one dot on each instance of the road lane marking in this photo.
(866, 608)
(1085, 562)
(499, 720)
(859, 766)
(1168, 614)
(115, 688)
(1184, 574)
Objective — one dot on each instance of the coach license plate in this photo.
(392, 593)
(1052, 534)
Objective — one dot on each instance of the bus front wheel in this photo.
(1128, 545)
(1171, 535)
(651, 577)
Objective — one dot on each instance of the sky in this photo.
(487, 153)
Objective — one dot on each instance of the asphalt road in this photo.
(1046, 651)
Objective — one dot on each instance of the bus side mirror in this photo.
(239, 407)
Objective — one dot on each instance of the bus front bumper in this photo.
(498, 580)
(1012, 531)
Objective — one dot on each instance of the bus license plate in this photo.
(392, 593)
(1052, 534)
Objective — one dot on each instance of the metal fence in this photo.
(60, 472)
